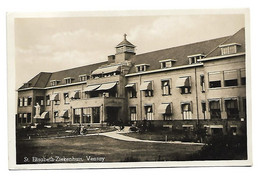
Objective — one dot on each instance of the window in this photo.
(203, 109)
(48, 102)
(54, 82)
(29, 101)
(133, 116)
(186, 111)
(25, 103)
(56, 114)
(231, 106)
(131, 89)
(66, 98)
(68, 80)
(243, 76)
(20, 118)
(184, 84)
(24, 118)
(215, 79)
(77, 113)
(166, 90)
(20, 102)
(167, 63)
(227, 49)
(141, 67)
(193, 58)
(29, 118)
(202, 83)
(149, 112)
(185, 90)
(82, 78)
(132, 93)
(230, 78)
(214, 108)
(147, 88)
(86, 115)
(40, 100)
(57, 99)
(148, 93)
(96, 114)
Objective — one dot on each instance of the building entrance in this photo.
(112, 115)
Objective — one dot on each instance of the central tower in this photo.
(124, 50)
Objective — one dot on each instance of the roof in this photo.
(125, 42)
(40, 80)
(209, 48)
(237, 38)
(74, 73)
(180, 54)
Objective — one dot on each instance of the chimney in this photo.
(111, 58)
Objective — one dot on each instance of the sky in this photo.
(59, 43)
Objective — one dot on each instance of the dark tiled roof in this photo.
(74, 73)
(40, 80)
(125, 42)
(179, 53)
(209, 48)
(238, 37)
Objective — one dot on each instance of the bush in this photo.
(223, 147)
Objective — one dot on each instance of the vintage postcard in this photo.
(129, 89)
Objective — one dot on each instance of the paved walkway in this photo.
(119, 136)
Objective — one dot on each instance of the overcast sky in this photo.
(53, 44)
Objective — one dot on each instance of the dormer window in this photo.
(83, 77)
(194, 58)
(167, 63)
(68, 80)
(227, 49)
(141, 67)
(27, 84)
(54, 82)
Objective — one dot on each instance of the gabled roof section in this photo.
(40, 80)
(237, 38)
(125, 42)
(73, 73)
(179, 53)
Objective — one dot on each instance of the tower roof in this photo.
(125, 42)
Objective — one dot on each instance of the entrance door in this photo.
(112, 115)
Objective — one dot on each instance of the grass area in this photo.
(94, 148)
(163, 135)
(56, 132)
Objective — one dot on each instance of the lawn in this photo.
(98, 148)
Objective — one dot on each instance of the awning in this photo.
(54, 97)
(105, 70)
(65, 114)
(215, 126)
(230, 75)
(164, 109)
(232, 98)
(75, 95)
(130, 86)
(182, 82)
(187, 126)
(146, 86)
(215, 76)
(147, 104)
(107, 86)
(213, 99)
(91, 88)
(44, 115)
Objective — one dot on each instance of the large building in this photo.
(202, 83)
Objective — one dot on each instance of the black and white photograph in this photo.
(130, 89)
